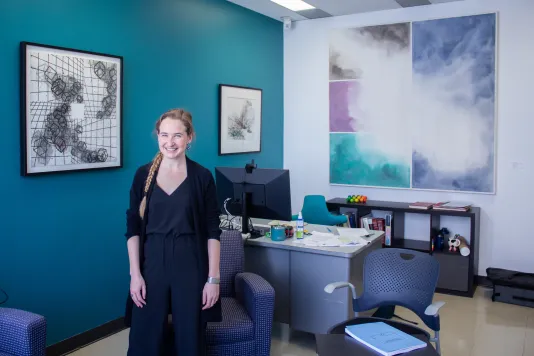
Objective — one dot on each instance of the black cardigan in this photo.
(206, 222)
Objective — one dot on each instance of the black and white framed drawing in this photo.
(71, 109)
(240, 115)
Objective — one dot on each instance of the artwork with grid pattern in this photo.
(71, 109)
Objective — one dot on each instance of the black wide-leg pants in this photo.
(172, 279)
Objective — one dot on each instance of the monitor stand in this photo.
(251, 233)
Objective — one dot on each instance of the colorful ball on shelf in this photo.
(356, 199)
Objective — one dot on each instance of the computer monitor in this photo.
(254, 193)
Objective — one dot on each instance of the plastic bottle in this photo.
(300, 226)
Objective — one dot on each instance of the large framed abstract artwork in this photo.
(413, 104)
(240, 117)
(71, 110)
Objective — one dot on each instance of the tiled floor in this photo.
(470, 327)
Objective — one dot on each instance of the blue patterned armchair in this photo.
(247, 302)
(22, 333)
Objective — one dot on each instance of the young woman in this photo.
(173, 245)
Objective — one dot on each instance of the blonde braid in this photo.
(155, 165)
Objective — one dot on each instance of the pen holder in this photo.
(278, 233)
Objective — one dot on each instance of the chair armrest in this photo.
(257, 296)
(433, 309)
(22, 332)
(336, 285)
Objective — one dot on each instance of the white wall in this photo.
(506, 240)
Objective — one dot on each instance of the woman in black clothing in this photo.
(173, 245)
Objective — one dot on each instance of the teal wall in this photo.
(62, 250)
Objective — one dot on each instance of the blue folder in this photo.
(384, 338)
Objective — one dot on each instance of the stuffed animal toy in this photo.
(454, 243)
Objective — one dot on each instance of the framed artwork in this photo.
(240, 115)
(71, 110)
(413, 105)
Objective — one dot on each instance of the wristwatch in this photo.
(213, 280)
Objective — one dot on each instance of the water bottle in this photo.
(300, 226)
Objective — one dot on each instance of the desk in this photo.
(299, 274)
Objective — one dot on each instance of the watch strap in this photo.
(213, 280)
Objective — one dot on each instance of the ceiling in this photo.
(327, 8)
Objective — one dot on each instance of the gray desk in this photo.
(299, 273)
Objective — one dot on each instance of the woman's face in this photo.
(172, 138)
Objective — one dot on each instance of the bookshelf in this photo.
(457, 272)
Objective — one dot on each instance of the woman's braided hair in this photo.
(187, 120)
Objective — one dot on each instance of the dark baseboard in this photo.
(483, 281)
(88, 337)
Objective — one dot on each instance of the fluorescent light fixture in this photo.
(294, 5)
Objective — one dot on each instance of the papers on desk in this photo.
(353, 232)
(326, 239)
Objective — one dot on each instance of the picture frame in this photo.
(240, 119)
(71, 110)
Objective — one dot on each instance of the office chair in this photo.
(314, 211)
(393, 276)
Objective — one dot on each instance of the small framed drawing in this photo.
(240, 115)
(71, 110)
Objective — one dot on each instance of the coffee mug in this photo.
(278, 233)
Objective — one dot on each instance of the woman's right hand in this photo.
(138, 290)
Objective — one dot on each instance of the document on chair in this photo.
(384, 338)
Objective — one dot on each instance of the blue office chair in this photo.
(314, 211)
(406, 278)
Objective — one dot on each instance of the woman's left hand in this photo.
(210, 295)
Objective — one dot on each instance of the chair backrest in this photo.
(232, 260)
(401, 277)
(314, 210)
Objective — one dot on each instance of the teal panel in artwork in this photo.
(356, 159)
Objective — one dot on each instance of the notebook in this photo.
(384, 338)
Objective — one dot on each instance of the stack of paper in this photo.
(324, 239)
(356, 234)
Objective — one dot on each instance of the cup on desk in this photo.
(278, 233)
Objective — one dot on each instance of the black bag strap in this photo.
(521, 274)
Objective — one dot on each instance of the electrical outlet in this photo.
(517, 165)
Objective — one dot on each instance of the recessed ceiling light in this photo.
(294, 5)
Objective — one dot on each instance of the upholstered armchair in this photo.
(22, 333)
(247, 302)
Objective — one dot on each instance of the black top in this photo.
(170, 214)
